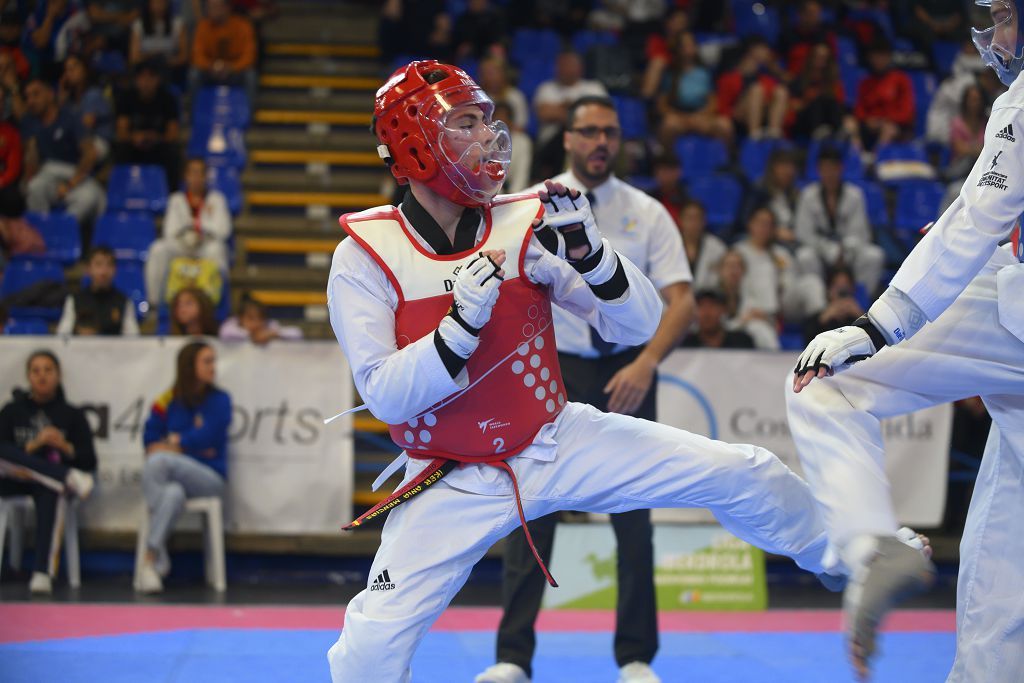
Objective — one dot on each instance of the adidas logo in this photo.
(382, 582)
(1007, 134)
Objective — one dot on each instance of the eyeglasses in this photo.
(592, 132)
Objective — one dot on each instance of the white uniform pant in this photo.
(604, 463)
(835, 424)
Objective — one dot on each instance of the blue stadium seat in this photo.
(221, 105)
(583, 40)
(925, 85)
(61, 234)
(226, 180)
(134, 187)
(721, 196)
(130, 279)
(944, 53)
(851, 76)
(874, 195)
(756, 18)
(22, 273)
(754, 155)
(901, 151)
(700, 155)
(128, 234)
(535, 44)
(853, 169)
(917, 204)
(27, 326)
(632, 116)
(218, 144)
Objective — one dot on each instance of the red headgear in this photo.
(462, 160)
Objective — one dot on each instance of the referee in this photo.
(612, 378)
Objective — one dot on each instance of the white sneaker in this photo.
(163, 563)
(502, 672)
(638, 672)
(80, 483)
(40, 584)
(149, 580)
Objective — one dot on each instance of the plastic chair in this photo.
(853, 169)
(754, 155)
(22, 273)
(917, 204)
(632, 116)
(27, 327)
(721, 197)
(583, 40)
(128, 234)
(874, 196)
(756, 18)
(925, 85)
(12, 512)
(225, 179)
(535, 44)
(62, 236)
(222, 105)
(137, 187)
(700, 155)
(218, 144)
(213, 541)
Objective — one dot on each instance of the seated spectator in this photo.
(59, 157)
(841, 307)
(770, 268)
(832, 226)
(111, 312)
(517, 176)
(711, 332)
(159, 34)
(54, 30)
(668, 182)
(934, 20)
(197, 225)
(12, 203)
(798, 41)
(945, 103)
(224, 50)
(967, 132)
(112, 22)
(778, 190)
(88, 103)
(192, 314)
(148, 123)
(11, 86)
(252, 324)
(46, 451)
(753, 96)
(884, 109)
(494, 79)
(477, 29)
(552, 99)
(186, 440)
(10, 41)
(660, 51)
(17, 238)
(741, 301)
(818, 104)
(686, 103)
(704, 251)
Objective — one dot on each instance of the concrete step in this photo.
(327, 100)
(306, 49)
(286, 278)
(264, 225)
(301, 157)
(321, 66)
(327, 26)
(305, 117)
(314, 81)
(342, 139)
(281, 179)
(333, 201)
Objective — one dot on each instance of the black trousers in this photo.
(636, 620)
(45, 499)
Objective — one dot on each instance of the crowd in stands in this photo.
(796, 143)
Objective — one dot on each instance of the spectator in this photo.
(934, 20)
(801, 39)
(741, 298)
(771, 272)
(686, 102)
(753, 96)
(11, 86)
(967, 133)
(48, 443)
(197, 224)
(110, 311)
(832, 225)
(668, 185)
(17, 237)
(112, 21)
(885, 101)
(159, 34)
(819, 101)
(419, 27)
(493, 78)
(56, 29)
(660, 51)
(192, 314)
(945, 104)
(224, 50)
(252, 324)
(704, 251)
(517, 176)
(88, 103)
(59, 157)
(10, 41)
(841, 307)
(778, 190)
(186, 440)
(711, 332)
(148, 123)
(477, 29)
(553, 98)
(12, 203)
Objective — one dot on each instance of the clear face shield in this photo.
(473, 150)
(997, 35)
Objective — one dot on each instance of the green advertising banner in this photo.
(697, 567)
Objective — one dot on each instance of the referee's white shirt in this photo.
(640, 228)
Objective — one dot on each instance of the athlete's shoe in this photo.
(162, 563)
(502, 672)
(895, 572)
(638, 672)
(40, 584)
(149, 580)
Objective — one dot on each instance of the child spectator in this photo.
(753, 95)
(197, 224)
(192, 314)
(46, 444)
(88, 103)
(186, 440)
(687, 101)
(148, 128)
(251, 324)
(885, 101)
(704, 251)
(711, 332)
(224, 50)
(110, 312)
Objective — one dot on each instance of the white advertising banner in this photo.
(737, 396)
(287, 471)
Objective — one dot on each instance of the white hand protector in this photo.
(836, 350)
(476, 291)
(566, 211)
